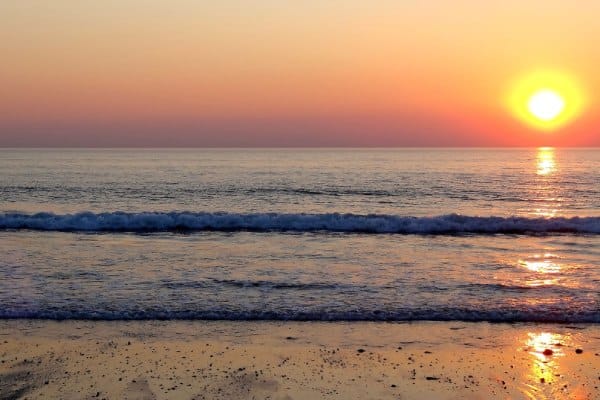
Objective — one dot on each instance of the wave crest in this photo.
(143, 222)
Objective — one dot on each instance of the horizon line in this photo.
(281, 147)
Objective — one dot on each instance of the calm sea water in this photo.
(401, 234)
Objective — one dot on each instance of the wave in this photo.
(148, 222)
(259, 284)
(445, 314)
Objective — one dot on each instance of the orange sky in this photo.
(272, 73)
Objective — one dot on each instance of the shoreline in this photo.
(297, 360)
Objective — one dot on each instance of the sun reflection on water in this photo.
(545, 213)
(544, 264)
(545, 268)
(546, 163)
(545, 191)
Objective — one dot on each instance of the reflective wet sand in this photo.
(292, 360)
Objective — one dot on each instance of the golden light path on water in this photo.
(542, 269)
(546, 349)
(546, 167)
(538, 272)
(546, 163)
(542, 263)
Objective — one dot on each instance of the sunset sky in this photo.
(276, 73)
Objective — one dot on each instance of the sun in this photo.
(546, 100)
(546, 104)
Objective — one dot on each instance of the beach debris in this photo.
(548, 352)
(578, 351)
(361, 350)
(432, 378)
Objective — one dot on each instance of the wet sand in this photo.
(297, 360)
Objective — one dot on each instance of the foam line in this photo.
(267, 222)
(444, 314)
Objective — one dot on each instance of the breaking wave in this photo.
(148, 222)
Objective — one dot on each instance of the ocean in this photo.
(301, 234)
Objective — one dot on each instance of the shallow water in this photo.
(265, 234)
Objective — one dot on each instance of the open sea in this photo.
(293, 234)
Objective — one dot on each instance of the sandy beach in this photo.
(295, 360)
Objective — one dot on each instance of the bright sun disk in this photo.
(546, 104)
(546, 99)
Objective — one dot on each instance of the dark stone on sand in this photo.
(393, 385)
(361, 350)
(578, 351)
(432, 378)
(548, 352)
(290, 338)
(542, 380)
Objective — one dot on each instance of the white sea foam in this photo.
(266, 222)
